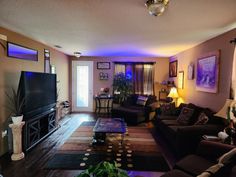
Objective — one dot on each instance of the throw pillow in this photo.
(185, 116)
(142, 100)
(167, 109)
(202, 119)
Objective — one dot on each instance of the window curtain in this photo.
(119, 68)
(233, 80)
(138, 79)
(142, 75)
(148, 74)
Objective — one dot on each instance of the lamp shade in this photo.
(232, 109)
(224, 110)
(173, 93)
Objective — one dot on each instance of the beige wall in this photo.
(189, 93)
(161, 69)
(10, 69)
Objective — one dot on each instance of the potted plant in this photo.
(15, 106)
(122, 86)
(104, 169)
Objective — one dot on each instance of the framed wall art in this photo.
(208, 73)
(21, 52)
(103, 65)
(173, 69)
(103, 76)
(191, 71)
(46, 61)
(181, 80)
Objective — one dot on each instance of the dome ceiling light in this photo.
(156, 7)
(77, 54)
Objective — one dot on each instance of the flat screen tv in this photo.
(39, 91)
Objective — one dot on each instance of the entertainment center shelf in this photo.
(38, 128)
(39, 92)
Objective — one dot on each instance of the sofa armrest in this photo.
(209, 129)
(188, 137)
(213, 150)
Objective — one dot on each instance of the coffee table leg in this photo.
(99, 138)
(122, 138)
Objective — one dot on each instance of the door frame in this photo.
(75, 63)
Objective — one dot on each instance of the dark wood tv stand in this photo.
(38, 128)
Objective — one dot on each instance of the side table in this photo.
(103, 103)
(17, 141)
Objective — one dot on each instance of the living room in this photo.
(99, 39)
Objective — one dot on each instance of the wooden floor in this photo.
(33, 164)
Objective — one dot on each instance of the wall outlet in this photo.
(3, 37)
(4, 133)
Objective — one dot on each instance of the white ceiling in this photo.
(118, 27)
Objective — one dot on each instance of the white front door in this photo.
(82, 86)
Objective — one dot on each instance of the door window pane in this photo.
(82, 86)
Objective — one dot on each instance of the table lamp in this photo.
(228, 112)
(173, 94)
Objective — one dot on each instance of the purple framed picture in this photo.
(208, 73)
(21, 52)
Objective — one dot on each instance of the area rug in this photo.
(138, 151)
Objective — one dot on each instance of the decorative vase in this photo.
(17, 119)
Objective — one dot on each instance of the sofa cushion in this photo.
(176, 173)
(170, 122)
(141, 101)
(185, 116)
(129, 109)
(193, 164)
(166, 117)
(202, 119)
(167, 109)
(179, 109)
(151, 99)
(197, 111)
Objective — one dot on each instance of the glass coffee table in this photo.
(108, 125)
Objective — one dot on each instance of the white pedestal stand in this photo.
(17, 141)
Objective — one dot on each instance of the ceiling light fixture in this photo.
(77, 54)
(58, 46)
(156, 7)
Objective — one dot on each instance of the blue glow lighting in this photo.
(129, 75)
(29, 74)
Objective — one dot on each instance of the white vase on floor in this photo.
(17, 119)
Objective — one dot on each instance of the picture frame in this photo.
(181, 80)
(21, 52)
(103, 76)
(207, 78)
(47, 65)
(173, 68)
(103, 65)
(191, 71)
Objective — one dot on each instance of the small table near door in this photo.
(103, 102)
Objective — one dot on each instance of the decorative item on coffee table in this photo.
(104, 169)
(108, 125)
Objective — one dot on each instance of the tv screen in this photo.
(39, 91)
(17, 51)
